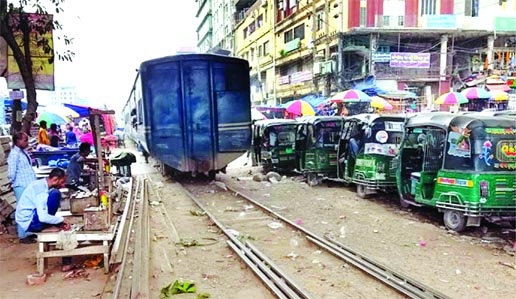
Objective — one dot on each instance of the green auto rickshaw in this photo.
(464, 165)
(276, 143)
(367, 149)
(316, 141)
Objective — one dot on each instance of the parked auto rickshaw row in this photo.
(462, 164)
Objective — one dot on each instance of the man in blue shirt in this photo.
(19, 169)
(76, 165)
(37, 207)
(70, 137)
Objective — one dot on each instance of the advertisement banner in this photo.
(410, 60)
(42, 53)
(3, 57)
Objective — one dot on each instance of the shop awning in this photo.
(501, 87)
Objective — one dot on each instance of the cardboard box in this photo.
(95, 219)
(77, 205)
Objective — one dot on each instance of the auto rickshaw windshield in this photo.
(479, 148)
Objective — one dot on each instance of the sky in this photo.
(112, 38)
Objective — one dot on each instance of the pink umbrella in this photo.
(350, 96)
(300, 107)
(475, 93)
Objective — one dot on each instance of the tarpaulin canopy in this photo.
(82, 110)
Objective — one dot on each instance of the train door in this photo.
(163, 112)
(198, 118)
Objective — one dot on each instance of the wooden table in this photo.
(46, 242)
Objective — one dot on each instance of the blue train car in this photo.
(191, 112)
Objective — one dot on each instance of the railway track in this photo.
(131, 250)
(277, 280)
(309, 266)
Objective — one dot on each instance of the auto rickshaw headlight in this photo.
(484, 189)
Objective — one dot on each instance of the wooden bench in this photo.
(100, 244)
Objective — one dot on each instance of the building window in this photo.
(245, 32)
(471, 8)
(260, 49)
(386, 21)
(363, 14)
(428, 7)
(288, 36)
(400, 20)
(299, 32)
(319, 23)
(259, 21)
(265, 48)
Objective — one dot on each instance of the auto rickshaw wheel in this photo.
(454, 220)
(403, 203)
(311, 179)
(361, 191)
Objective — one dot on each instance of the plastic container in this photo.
(104, 199)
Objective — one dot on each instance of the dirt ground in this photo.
(477, 264)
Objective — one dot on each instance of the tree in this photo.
(15, 21)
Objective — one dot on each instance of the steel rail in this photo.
(279, 284)
(121, 270)
(392, 278)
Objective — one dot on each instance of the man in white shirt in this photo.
(37, 207)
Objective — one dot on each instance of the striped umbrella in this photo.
(451, 98)
(475, 93)
(498, 95)
(380, 103)
(350, 96)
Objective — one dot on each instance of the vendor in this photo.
(76, 165)
(37, 207)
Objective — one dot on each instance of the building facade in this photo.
(216, 24)
(301, 47)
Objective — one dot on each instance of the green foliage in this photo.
(178, 287)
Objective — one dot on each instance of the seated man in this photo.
(76, 165)
(37, 207)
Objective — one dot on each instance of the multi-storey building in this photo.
(215, 29)
(322, 46)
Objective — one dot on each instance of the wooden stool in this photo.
(46, 248)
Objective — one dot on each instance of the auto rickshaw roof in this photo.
(318, 119)
(444, 120)
(369, 118)
(435, 119)
(486, 121)
(275, 121)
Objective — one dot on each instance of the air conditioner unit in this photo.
(318, 68)
(328, 67)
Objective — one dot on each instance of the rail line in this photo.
(132, 279)
(285, 287)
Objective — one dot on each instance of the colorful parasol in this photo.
(475, 93)
(498, 95)
(300, 107)
(52, 118)
(380, 103)
(451, 98)
(350, 96)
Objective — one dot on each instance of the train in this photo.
(191, 112)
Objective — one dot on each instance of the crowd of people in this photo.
(69, 135)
